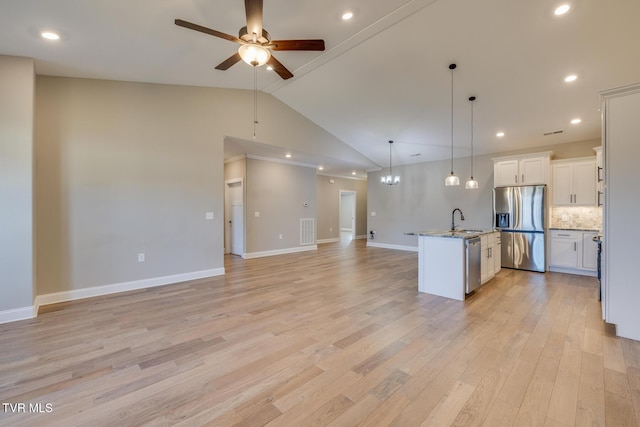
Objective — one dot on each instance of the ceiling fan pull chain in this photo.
(255, 99)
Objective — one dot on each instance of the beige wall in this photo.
(17, 282)
(422, 202)
(125, 168)
(279, 193)
(329, 205)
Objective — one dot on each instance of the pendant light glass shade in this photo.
(452, 179)
(471, 184)
(390, 179)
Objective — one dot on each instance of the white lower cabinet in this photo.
(573, 252)
(491, 256)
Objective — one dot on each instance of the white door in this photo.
(235, 217)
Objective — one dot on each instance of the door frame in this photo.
(228, 214)
(353, 216)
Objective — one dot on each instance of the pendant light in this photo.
(471, 184)
(390, 179)
(452, 179)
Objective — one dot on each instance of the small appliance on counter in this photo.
(519, 214)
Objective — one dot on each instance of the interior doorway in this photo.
(234, 213)
(347, 215)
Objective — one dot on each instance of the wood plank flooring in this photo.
(340, 337)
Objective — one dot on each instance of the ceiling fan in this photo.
(255, 41)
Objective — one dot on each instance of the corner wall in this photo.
(17, 281)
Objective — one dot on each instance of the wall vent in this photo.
(553, 132)
(307, 231)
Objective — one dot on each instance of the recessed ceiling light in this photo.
(50, 35)
(347, 15)
(576, 121)
(353, 173)
(288, 156)
(500, 134)
(562, 9)
(320, 168)
(570, 78)
(269, 68)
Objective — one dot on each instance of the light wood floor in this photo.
(338, 337)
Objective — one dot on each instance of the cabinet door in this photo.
(505, 173)
(484, 260)
(564, 252)
(562, 184)
(589, 252)
(584, 183)
(497, 254)
(533, 171)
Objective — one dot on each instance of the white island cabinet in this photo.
(442, 261)
(441, 266)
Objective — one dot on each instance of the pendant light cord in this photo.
(390, 164)
(472, 99)
(452, 120)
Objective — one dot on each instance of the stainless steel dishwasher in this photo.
(473, 260)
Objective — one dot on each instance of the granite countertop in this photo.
(457, 234)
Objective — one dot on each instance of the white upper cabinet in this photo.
(574, 182)
(527, 169)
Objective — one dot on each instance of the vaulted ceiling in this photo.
(384, 74)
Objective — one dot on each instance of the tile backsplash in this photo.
(576, 217)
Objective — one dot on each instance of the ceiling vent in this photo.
(553, 132)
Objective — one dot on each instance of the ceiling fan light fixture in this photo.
(254, 54)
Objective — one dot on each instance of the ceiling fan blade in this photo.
(279, 68)
(227, 63)
(253, 9)
(297, 45)
(206, 30)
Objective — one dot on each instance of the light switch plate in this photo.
(373, 214)
(210, 215)
(256, 214)
(141, 257)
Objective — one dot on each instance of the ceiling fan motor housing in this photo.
(244, 35)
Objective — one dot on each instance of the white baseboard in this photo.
(95, 291)
(280, 251)
(396, 247)
(333, 240)
(345, 229)
(16, 314)
(573, 271)
(30, 312)
(364, 236)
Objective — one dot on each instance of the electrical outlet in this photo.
(280, 236)
(141, 257)
(256, 214)
(373, 214)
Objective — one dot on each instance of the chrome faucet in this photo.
(453, 224)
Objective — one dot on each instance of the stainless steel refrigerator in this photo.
(519, 214)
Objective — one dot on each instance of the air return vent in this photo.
(307, 231)
(554, 132)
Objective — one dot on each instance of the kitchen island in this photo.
(443, 263)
